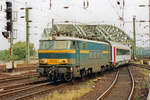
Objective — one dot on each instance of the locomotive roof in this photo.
(116, 44)
(77, 39)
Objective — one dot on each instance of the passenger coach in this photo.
(121, 54)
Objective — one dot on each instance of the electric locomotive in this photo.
(69, 57)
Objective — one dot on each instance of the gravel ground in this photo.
(100, 85)
(96, 86)
(141, 90)
(102, 82)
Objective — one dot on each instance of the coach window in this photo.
(123, 52)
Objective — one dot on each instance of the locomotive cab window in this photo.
(72, 45)
(45, 45)
(56, 45)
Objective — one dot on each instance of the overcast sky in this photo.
(99, 11)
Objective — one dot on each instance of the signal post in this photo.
(8, 34)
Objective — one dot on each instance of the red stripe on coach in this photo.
(114, 56)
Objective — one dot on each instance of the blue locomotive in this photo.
(69, 57)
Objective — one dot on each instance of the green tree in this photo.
(19, 51)
(4, 55)
(1, 55)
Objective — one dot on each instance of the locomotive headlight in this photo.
(43, 61)
(71, 70)
(63, 61)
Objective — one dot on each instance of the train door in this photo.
(77, 53)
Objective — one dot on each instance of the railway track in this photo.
(3, 75)
(23, 93)
(12, 87)
(17, 77)
(141, 66)
(25, 68)
(20, 67)
(121, 88)
(19, 91)
(26, 92)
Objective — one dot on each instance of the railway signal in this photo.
(9, 26)
(9, 20)
(5, 34)
(9, 16)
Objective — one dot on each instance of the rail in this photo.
(38, 92)
(133, 85)
(18, 77)
(141, 66)
(108, 90)
(11, 93)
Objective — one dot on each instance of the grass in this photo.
(145, 72)
(33, 78)
(144, 85)
(73, 94)
(67, 95)
(136, 96)
(91, 83)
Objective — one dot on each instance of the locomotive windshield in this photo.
(55, 45)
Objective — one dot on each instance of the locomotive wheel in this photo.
(102, 69)
(115, 69)
(82, 73)
(41, 75)
(68, 76)
(88, 72)
(52, 75)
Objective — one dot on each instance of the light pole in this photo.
(134, 39)
(27, 33)
(149, 18)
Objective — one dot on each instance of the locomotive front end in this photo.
(56, 59)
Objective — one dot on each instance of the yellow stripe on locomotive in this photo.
(57, 51)
(57, 61)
